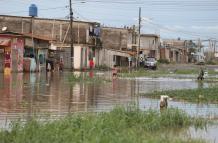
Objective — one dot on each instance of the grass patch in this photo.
(84, 77)
(118, 126)
(102, 68)
(186, 71)
(205, 95)
(143, 72)
(157, 73)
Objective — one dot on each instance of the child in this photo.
(61, 64)
(114, 71)
(91, 63)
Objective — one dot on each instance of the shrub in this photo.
(163, 61)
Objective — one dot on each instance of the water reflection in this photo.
(147, 85)
(28, 95)
(210, 134)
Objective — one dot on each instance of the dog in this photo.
(164, 101)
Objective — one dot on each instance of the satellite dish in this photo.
(4, 28)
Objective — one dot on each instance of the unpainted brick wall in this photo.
(47, 27)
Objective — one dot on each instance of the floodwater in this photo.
(39, 94)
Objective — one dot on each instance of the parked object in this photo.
(151, 63)
(201, 62)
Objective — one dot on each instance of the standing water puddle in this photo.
(27, 95)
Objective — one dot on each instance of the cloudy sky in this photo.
(188, 19)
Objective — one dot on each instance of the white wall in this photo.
(81, 57)
(77, 57)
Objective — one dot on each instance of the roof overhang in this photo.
(5, 42)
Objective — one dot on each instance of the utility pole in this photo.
(71, 36)
(139, 37)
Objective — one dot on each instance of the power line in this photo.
(179, 31)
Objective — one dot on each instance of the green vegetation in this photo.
(118, 126)
(162, 72)
(186, 71)
(212, 72)
(102, 68)
(157, 73)
(205, 95)
(143, 72)
(163, 61)
(211, 62)
(84, 77)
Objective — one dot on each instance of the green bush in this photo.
(163, 61)
(211, 62)
(102, 67)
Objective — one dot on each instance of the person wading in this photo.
(201, 74)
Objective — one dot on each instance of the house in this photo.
(118, 46)
(149, 45)
(85, 37)
(174, 51)
(37, 47)
(11, 53)
(32, 47)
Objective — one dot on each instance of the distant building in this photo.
(118, 46)
(149, 45)
(174, 51)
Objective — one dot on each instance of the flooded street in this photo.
(23, 96)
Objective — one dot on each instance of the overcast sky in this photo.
(188, 19)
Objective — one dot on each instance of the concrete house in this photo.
(85, 37)
(174, 51)
(149, 45)
(118, 46)
(30, 46)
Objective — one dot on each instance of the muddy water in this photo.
(27, 95)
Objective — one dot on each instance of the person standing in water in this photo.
(201, 74)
